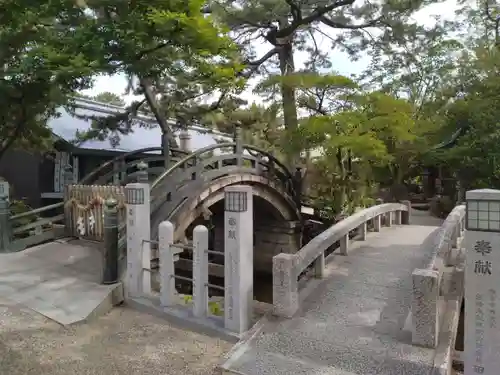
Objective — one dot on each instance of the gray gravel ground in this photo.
(123, 342)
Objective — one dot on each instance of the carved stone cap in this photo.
(111, 203)
(483, 195)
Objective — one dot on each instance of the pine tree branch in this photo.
(153, 105)
(254, 65)
(147, 51)
(275, 34)
(327, 21)
(295, 10)
(264, 58)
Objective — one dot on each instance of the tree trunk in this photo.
(342, 191)
(7, 143)
(155, 108)
(287, 68)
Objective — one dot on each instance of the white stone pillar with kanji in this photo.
(238, 258)
(138, 281)
(482, 280)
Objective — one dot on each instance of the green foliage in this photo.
(290, 26)
(20, 206)
(39, 69)
(109, 98)
(213, 306)
(475, 158)
(190, 60)
(174, 55)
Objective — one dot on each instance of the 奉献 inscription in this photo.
(231, 233)
(482, 247)
(482, 267)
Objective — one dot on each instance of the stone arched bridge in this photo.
(187, 189)
(366, 310)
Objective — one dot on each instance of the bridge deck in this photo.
(354, 322)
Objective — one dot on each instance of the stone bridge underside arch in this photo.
(276, 216)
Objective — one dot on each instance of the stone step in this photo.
(76, 302)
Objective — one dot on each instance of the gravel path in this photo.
(123, 342)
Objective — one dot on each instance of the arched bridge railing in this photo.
(24, 229)
(184, 179)
(169, 190)
(127, 170)
(439, 287)
(288, 268)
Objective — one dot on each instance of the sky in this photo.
(341, 62)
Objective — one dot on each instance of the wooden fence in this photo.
(84, 209)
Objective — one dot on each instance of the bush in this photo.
(213, 306)
(19, 207)
(441, 206)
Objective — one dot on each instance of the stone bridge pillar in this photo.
(273, 238)
(238, 257)
(482, 280)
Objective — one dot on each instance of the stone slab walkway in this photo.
(353, 323)
(59, 280)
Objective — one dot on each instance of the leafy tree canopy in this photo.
(38, 69)
(172, 53)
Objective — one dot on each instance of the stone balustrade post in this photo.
(238, 149)
(451, 256)
(319, 266)
(200, 271)
(142, 174)
(111, 254)
(362, 231)
(184, 140)
(285, 285)
(5, 229)
(377, 223)
(378, 202)
(397, 217)
(344, 244)
(406, 215)
(167, 271)
(425, 308)
(388, 219)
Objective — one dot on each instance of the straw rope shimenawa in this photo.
(93, 203)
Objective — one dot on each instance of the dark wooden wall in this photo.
(22, 170)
